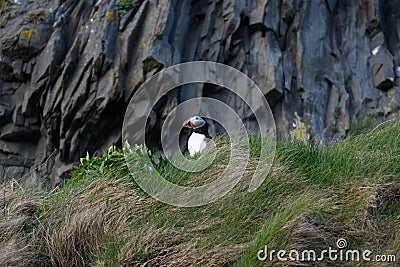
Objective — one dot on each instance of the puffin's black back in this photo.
(203, 130)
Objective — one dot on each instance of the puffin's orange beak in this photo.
(187, 124)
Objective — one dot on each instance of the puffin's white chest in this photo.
(197, 142)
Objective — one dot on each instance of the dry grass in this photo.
(5, 5)
(36, 16)
(311, 232)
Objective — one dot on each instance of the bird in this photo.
(199, 138)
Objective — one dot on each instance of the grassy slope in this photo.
(313, 196)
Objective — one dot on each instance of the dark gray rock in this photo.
(5, 114)
(69, 68)
(382, 68)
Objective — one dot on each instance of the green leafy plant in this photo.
(111, 158)
(123, 6)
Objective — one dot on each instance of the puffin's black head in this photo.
(198, 125)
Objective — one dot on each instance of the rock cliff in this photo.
(69, 68)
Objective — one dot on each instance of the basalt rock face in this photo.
(69, 68)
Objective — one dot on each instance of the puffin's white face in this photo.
(194, 122)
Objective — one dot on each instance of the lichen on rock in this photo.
(27, 34)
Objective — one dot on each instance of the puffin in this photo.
(199, 137)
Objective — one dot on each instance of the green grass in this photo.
(313, 196)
